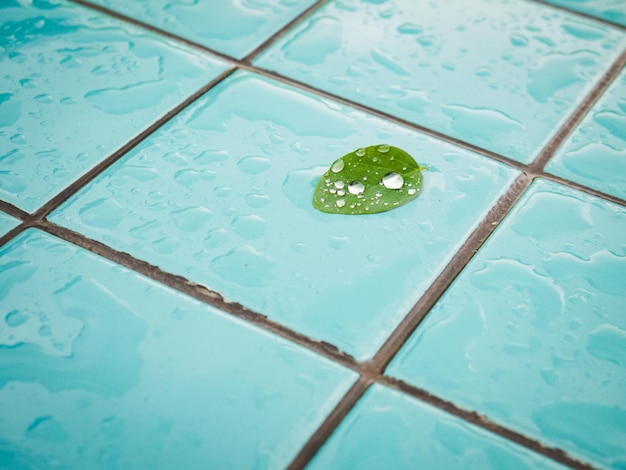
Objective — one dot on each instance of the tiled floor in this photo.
(169, 297)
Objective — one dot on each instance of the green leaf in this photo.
(368, 181)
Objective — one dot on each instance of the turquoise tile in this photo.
(75, 86)
(611, 10)
(223, 196)
(535, 327)
(595, 154)
(387, 429)
(233, 27)
(103, 368)
(500, 74)
(7, 223)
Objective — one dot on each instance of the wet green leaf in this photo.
(369, 180)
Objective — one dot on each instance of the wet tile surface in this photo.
(535, 327)
(499, 74)
(223, 196)
(107, 369)
(233, 27)
(52, 128)
(387, 429)
(611, 10)
(595, 154)
(7, 223)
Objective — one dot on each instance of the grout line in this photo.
(95, 171)
(282, 31)
(461, 258)
(332, 421)
(553, 453)
(198, 292)
(13, 233)
(13, 210)
(583, 188)
(579, 113)
(583, 14)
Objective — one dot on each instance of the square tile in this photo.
(7, 223)
(77, 85)
(233, 27)
(535, 327)
(103, 368)
(595, 154)
(222, 195)
(503, 75)
(611, 10)
(399, 431)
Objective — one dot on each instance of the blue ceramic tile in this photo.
(533, 332)
(497, 73)
(7, 223)
(387, 429)
(223, 196)
(595, 154)
(75, 86)
(233, 27)
(611, 10)
(102, 368)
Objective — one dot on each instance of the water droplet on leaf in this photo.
(356, 187)
(393, 180)
(337, 166)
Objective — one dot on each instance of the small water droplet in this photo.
(356, 187)
(360, 152)
(341, 192)
(341, 202)
(412, 191)
(393, 180)
(337, 166)
(339, 184)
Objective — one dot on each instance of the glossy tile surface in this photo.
(233, 27)
(535, 327)
(223, 196)
(106, 369)
(500, 74)
(611, 10)
(75, 86)
(595, 154)
(7, 223)
(387, 429)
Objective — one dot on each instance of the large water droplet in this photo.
(393, 180)
(337, 166)
(383, 148)
(339, 184)
(360, 152)
(341, 202)
(356, 187)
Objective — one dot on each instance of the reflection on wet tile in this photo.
(233, 27)
(223, 196)
(7, 223)
(534, 328)
(502, 75)
(595, 154)
(75, 86)
(611, 10)
(106, 369)
(387, 429)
